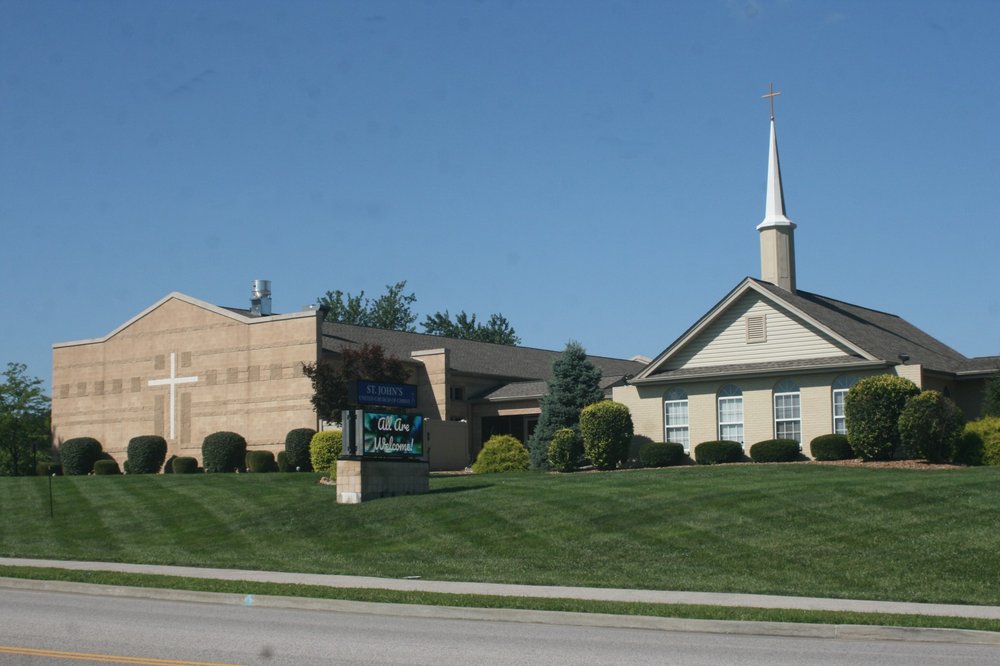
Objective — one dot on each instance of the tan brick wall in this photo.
(249, 379)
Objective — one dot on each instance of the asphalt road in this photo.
(55, 628)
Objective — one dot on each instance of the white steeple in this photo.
(777, 242)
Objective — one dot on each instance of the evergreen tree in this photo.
(991, 399)
(575, 383)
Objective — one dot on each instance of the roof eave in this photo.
(760, 372)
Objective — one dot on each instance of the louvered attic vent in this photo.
(757, 329)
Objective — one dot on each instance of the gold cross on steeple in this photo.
(770, 97)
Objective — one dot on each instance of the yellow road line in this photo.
(106, 658)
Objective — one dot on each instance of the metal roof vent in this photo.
(260, 298)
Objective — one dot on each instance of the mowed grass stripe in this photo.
(775, 529)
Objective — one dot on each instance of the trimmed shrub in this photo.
(223, 451)
(79, 455)
(324, 449)
(282, 462)
(297, 444)
(988, 429)
(501, 453)
(260, 462)
(968, 449)
(661, 454)
(168, 466)
(106, 467)
(718, 452)
(831, 447)
(48, 469)
(565, 450)
(775, 450)
(146, 454)
(929, 427)
(607, 430)
(183, 465)
(872, 408)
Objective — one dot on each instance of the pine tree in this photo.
(575, 383)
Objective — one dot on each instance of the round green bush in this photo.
(282, 461)
(661, 454)
(168, 466)
(146, 454)
(831, 447)
(501, 453)
(988, 429)
(929, 427)
(79, 455)
(297, 443)
(872, 408)
(223, 451)
(183, 465)
(775, 450)
(968, 449)
(106, 467)
(260, 462)
(607, 430)
(718, 452)
(565, 450)
(324, 449)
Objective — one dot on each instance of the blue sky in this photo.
(592, 170)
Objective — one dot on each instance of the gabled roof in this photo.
(236, 314)
(505, 362)
(873, 337)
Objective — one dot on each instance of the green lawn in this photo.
(807, 530)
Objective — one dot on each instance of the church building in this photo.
(772, 361)
(184, 368)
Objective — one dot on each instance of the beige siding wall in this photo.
(645, 402)
(249, 380)
(724, 341)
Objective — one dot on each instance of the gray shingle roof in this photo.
(536, 389)
(766, 367)
(477, 358)
(881, 334)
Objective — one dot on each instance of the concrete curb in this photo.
(787, 629)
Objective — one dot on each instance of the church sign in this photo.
(383, 394)
(392, 435)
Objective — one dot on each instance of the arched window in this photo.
(787, 411)
(731, 413)
(675, 418)
(840, 387)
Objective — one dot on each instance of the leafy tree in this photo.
(991, 398)
(24, 420)
(330, 396)
(496, 330)
(929, 426)
(872, 409)
(575, 383)
(390, 311)
(393, 311)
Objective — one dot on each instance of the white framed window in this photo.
(730, 399)
(787, 411)
(675, 418)
(840, 387)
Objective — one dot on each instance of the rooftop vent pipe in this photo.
(260, 298)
